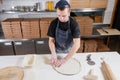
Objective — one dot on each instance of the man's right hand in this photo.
(54, 59)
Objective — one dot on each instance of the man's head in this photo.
(63, 10)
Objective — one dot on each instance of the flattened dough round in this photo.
(11, 73)
(71, 67)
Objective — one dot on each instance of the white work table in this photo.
(42, 71)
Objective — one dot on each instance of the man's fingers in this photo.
(57, 63)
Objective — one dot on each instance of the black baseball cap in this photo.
(62, 4)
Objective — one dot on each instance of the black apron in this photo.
(63, 39)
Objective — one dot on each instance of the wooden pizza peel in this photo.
(12, 73)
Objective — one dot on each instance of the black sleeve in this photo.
(51, 30)
(75, 29)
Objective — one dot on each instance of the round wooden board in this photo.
(11, 73)
(71, 67)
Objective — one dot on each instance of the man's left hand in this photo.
(60, 62)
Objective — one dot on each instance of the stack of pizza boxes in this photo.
(85, 25)
(90, 46)
(88, 27)
(102, 47)
(30, 28)
(12, 28)
(44, 26)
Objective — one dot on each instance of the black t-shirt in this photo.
(74, 27)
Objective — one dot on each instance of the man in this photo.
(64, 34)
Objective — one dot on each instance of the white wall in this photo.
(108, 12)
(7, 4)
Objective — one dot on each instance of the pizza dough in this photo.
(71, 67)
(11, 73)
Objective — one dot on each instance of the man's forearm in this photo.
(52, 46)
(74, 48)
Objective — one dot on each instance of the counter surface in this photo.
(42, 71)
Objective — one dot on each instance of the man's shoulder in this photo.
(55, 20)
(73, 21)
